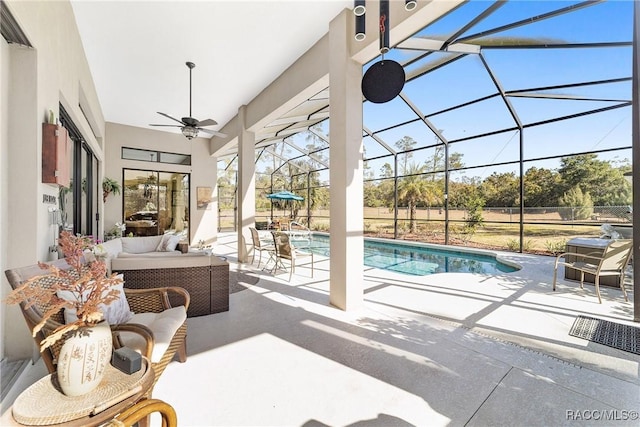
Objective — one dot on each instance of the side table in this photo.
(43, 404)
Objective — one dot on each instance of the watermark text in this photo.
(601, 415)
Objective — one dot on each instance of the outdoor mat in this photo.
(616, 335)
(239, 281)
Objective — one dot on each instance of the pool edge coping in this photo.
(487, 252)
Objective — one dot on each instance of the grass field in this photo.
(544, 232)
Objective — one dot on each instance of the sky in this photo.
(467, 79)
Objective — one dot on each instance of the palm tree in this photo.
(413, 189)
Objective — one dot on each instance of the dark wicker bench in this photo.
(206, 278)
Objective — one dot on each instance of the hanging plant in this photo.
(109, 186)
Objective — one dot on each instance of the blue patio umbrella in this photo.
(283, 195)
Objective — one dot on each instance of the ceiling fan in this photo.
(190, 126)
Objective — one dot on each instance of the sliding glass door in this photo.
(155, 202)
(78, 203)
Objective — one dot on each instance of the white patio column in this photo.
(346, 169)
(246, 191)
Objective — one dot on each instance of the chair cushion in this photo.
(163, 325)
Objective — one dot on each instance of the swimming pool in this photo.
(418, 260)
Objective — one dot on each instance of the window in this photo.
(155, 202)
(155, 156)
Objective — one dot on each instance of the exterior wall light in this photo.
(359, 8)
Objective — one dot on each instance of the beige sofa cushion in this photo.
(113, 247)
(148, 263)
(140, 245)
(150, 254)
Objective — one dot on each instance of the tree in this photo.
(386, 171)
(436, 162)
(541, 187)
(605, 184)
(474, 218)
(403, 145)
(412, 190)
(501, 190)
(461, 192)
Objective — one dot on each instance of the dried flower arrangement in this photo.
(91, 288)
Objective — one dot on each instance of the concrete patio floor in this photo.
(446, 349)
(440, 350)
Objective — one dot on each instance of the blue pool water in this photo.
(416, 260)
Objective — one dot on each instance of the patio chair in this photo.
(260, 246)
(286, 251)
(149, 331)
(612, 262)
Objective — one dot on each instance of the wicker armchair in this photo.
(141, 410)
(140, 300)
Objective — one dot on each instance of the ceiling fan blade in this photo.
(172, 118)
(213, 132)
(172, 126)
(208, 122)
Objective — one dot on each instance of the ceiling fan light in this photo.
(190, 132)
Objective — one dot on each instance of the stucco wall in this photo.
(34, 81)
(37, 80)
(4, 170)
(203, 224)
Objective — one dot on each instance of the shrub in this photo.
(575, 204)
(555, 246)
(527, 245)
(513, 245)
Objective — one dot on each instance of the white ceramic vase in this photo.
(83, 359)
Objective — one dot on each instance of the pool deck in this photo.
(441, 350)
(446, 349)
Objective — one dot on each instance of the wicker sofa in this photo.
(205, 277)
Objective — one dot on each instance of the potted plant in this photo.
(109, 186)
(84, 291)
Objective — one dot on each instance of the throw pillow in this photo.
(115, 313)
(168, 243)
(118, 311)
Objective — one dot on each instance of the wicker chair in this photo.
(286, 251)
(141, 301)
(140, 412)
